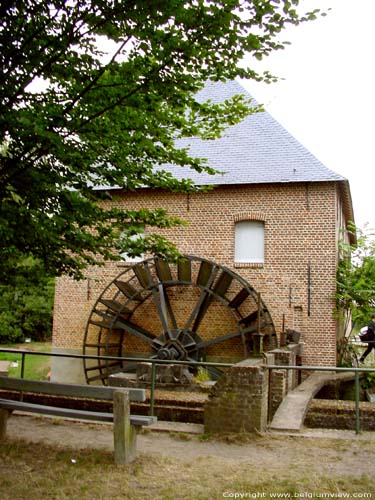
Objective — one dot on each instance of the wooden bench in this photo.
(125, 425)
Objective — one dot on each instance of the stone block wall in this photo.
(287, 357)
(281, 381)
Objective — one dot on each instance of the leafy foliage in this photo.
(94, 93)
(355, 295)
(26, 303)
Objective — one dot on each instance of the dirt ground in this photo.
(332, 453)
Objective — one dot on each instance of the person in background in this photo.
(370, 339)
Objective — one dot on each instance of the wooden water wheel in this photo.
(192, 310)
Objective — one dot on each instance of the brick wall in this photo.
(278, 390)
(338, 414)
(300, 250)
(239, 400)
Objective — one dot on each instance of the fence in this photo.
(357, 371)
(153, 362)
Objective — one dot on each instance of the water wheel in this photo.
(191, 310)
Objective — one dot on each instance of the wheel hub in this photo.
(176, 345)
(168, 353)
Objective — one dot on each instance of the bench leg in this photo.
(125, 434)
(4, 414)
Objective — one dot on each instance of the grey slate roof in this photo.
(257, 150)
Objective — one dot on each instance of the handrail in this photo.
(356, 371)
(319, 368)
(153, 361)
(111, 358)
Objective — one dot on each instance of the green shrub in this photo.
(26, 303)
(10, 331)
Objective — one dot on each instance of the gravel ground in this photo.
(336, 453)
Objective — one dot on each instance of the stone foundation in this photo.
(338, 414)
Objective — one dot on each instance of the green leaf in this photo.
(95, 93)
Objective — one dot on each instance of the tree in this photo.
(75, 116)
(26, 303)
(355, 296)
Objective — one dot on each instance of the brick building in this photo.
(273, 219)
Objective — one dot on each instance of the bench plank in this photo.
(72, 390)
(124, 424)
(8, 404)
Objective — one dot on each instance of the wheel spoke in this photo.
(187, 341)
(204, 300)
(202, 311)
(214, 372)
(161, 307)
(198, 311)
(218, 340)
(135, 330)
(170, 310)
(164, 310)
(227, 336)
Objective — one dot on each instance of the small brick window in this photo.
(249, 242)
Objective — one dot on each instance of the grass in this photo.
(202, 375)
(49, 473)
(36, 367)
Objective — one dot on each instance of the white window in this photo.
(249, 242)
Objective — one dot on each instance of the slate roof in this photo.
(257, 150)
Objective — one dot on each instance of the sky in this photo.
(326, 99)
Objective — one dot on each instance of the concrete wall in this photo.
(65, 369)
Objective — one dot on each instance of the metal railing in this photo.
(154, 362)
(334, 369)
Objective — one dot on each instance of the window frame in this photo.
(241, 256)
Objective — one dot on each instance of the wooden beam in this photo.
(4, 414)
(72, 390)
(124, 434)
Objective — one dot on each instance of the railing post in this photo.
(152, 392)
(23, 365)
(269, 402)
(22, 372)
(357, 420)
